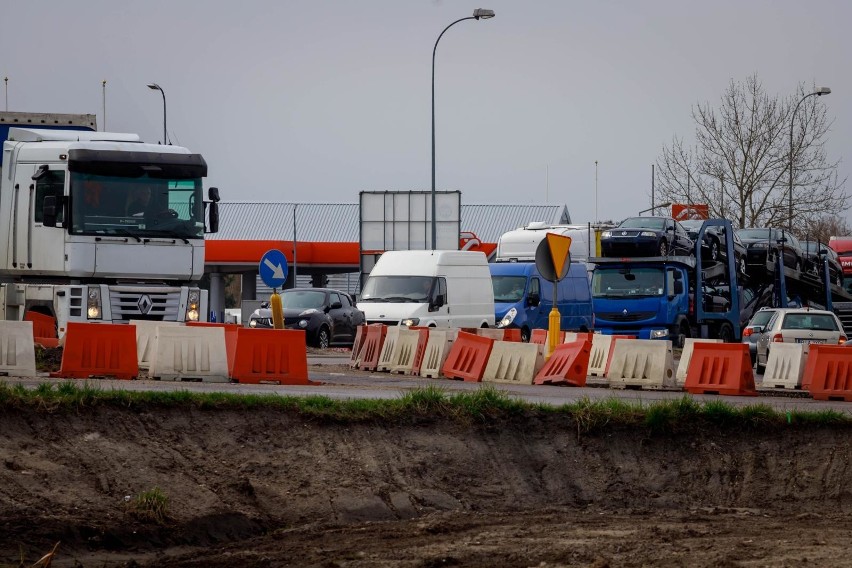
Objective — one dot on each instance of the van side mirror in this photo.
(49, 211)
(437, 302)
(533, 299)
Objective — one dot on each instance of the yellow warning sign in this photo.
(560, 247)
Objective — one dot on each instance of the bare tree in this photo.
(739, 165)
(822, 228)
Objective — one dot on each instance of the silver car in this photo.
(798, 325)
(755, 327)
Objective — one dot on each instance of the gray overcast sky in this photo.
(318, 100)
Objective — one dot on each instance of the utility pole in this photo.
(103, 98)
(596, 192)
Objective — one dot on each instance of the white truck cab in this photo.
(432, 288)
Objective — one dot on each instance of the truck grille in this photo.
(127, 303)
(844, 313)
(621, 316)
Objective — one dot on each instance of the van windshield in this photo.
(508, 288)
(397, 289)
(623, 282)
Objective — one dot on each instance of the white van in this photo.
(519, 245)
(435, 288)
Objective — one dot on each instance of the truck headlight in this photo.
(192, 305)
(659, 333)
(93, 310)
(508, 318)
(410, 321)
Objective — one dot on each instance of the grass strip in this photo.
(483, 405)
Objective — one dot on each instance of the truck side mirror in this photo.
(213, 210)
(40, 172)
(213, 194)
(678, 287)
(49, 211)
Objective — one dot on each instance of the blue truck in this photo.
(673, 297)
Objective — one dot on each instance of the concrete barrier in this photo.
(643, 363)
(146, 339)
(437, 348)
(686, 357)
(513, 363)
(17, 351)
(785, 366)
(190, 353)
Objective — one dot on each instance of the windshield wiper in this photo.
(126, 233)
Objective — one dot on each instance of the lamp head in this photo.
(154, 86)
(820, 91)
(483, 14)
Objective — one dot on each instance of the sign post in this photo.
(273, 272)
(553, 259)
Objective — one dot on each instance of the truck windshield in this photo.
(623, 282)
(508, 288)
(136, 206)
(397, 289)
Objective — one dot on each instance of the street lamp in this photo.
(660, 206)
(820, 91)
(478, 14)
(156, 87)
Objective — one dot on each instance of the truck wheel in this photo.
(683, 333)
(726, 333)
(525, 334)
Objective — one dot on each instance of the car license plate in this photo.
(810, 341)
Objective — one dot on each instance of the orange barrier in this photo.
(230, 338)
(360, 334)
(44, 329)
(828, 372)
(539, 336)
(720, 368)
(572, 336)
(421, 349)
(512, 334)
(372, 348)
(99, 350)
(568, 365)
(468, 357)
(270, 356)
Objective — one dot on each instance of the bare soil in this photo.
(271, 488)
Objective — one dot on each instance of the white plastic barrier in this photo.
(385, 362)
(17, 351)
(601, 345)
(491, 333)
(785, 366)
(190, 353)
(146, 339)
(686, 357)
(437, 348)
(513, 362)
(404, 351)
(644, 363)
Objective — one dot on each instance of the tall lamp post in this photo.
(820, 91)
(156, 87)
(478, 14)
(660, 206)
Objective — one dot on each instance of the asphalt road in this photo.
(333, 380)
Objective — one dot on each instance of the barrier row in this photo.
(706, 366)
(170, 351)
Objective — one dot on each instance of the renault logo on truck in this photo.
(145, 304)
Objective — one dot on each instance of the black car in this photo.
(815, 251)
(773, 243)
(713, 245)
(646, 236)
(327, 316)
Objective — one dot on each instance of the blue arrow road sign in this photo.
(273, 268)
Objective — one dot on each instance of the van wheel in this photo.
(525, 334)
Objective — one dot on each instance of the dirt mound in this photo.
(273, 488)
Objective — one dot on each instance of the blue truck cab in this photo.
(523, 298)
(650, 299)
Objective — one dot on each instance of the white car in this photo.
(798, 325)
